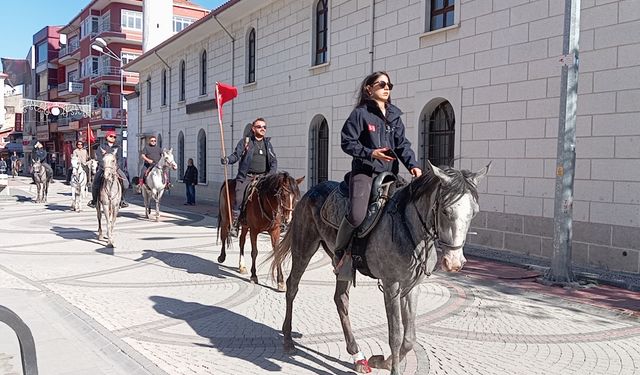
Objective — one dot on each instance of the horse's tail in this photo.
(282, 250)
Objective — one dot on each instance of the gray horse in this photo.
(155, 182)
(42, 180)
(109, 197)
(433, 211)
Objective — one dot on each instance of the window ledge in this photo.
(314, 67)
(203, 95)
(250, 85)
(444, 29)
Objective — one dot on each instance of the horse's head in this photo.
(167, 157)
(75, 163)
(455, 207)
(36, 165)
(93, 165)
(290, 189)
(110, 164)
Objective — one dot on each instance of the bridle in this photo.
(282, 210)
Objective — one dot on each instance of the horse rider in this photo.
(3, 166)
(151, 154)
(82, 155)
(41, 156)
(257, 158)
(374, 136)
(109, 146)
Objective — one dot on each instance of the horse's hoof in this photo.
(221, 259)
(282, 287)
(254, 279)
(242, 270)
(378, 361)
(110, 245)
(157, 219)
(362, 366)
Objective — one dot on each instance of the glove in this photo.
(224, 161)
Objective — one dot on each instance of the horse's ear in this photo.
(299, 180)
(477, 176)
(114, 151)
(438, 172)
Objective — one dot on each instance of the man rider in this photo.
(109, 146)
(257, 158)
(81, 153)
(150, 155)
(41, 155)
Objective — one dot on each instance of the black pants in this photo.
(359, 192)
(241, 186)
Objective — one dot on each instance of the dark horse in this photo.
(434, 210)
(268, 206)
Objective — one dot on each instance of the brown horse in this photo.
(268, 206)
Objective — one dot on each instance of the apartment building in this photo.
(478, 81)
(84, 75)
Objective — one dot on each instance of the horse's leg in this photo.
(224, 223)
(73, 196)
(300, 258)
(341, 299)
(408, 305)
(158, 204)
(394, 322)
(99, 213)
(275, 237)
(242, 266)
(145, 197)
(108, 213)
(254, 254)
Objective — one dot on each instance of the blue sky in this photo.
(20, 19)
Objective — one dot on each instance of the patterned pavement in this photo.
(161, 304)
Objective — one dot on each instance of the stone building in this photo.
(478, 81)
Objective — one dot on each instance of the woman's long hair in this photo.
(363, 95)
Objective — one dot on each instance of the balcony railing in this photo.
(70, 87)
(69, 48)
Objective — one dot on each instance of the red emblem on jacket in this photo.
(372, 128)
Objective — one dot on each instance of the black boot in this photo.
(94, 196)
(233, 231)
(123, 203)
(343, 238)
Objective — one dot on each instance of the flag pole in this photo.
(224, 155)
(88, 141)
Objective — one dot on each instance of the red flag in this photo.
(92, 137)
(224, 93)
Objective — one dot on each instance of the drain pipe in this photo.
(233, 66)
(373, 16)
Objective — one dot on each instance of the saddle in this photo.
(250, 189)
(336, 207)
(146, 174)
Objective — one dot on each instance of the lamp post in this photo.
(100, 45)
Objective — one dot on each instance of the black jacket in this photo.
(41, 155)
(190, 175)
(367, 129)
(244, 153)
(104, 149)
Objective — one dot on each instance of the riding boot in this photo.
(343, 238)
(123, 203)
(233, 231)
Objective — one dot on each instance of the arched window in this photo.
(320, 32)
(180, 155)
(437, 135)
(183, 75)
(318, 150)
(202, 156)
(159, 137)
(149, 93)
(203, 73)
(164, 87)
(251, 56)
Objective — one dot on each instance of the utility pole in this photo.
(560, 271)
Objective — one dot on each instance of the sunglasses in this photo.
(111, 136)
(260, 126)
(382, 85)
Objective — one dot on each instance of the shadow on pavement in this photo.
(57, 207)
(232, 333)
(75, 234)
(189, 263)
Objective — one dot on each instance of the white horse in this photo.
(155, 182)
(78, 184)
(109, 197)
(92, 164)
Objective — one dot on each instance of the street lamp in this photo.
(100, 45)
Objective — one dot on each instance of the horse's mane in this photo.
(461, 182)
(272, 183)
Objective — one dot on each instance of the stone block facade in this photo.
(497, 67)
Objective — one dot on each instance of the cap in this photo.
(38, 144)
(110, 132)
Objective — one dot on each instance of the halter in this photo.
(282, 208)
